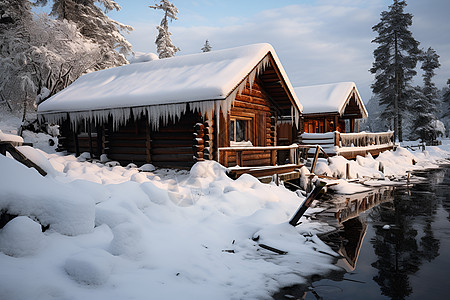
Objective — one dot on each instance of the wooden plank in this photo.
(172, 150)
(171, 143)
(262, 172)
(128, 150)
(172, 157)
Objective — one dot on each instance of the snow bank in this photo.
(166, 234)
(163, 233)
(21, 237)
(24, 192)
(91, 267)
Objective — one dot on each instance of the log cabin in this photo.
(176, 111)
(328, 107)
(330, 116)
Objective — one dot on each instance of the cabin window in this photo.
(239, 130)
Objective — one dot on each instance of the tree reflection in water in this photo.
(402, 249)
(417, 216)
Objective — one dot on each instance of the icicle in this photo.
(206, 108)
(160, 114)
(164, 113)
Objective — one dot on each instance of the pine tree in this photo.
(424, 104)
(395, 60)
(446, 97)
(206, 47)
(95, 25)
(164, 45)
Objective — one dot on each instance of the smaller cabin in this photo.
(330, 119)
(331, 107)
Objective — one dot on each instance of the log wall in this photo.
(172, 145)
(254, 104)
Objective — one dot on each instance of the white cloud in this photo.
(326, 42)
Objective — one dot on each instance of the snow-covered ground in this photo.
(121, 233)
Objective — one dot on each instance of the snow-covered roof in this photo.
(329, 98)
(163, 87)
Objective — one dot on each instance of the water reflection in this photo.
(410, 241)
(402, 236)
(344, 213)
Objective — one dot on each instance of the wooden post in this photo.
(89, 129)
(273, 157)
(347, 171)
(292, 157)
(337, 139)
(224, 158)
(316, 156)
(77, 146)
(239, 158)
(304, 206)
(148, 155)
(98, 129)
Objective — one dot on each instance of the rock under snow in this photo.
(21, 237)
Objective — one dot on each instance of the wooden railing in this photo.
(253, 156)
(365, 139)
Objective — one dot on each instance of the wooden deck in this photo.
(350, 145)
(241, 160)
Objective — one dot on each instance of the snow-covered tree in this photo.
(15, 17)
(96, 26)
(446, 97)
(39, 57)
(424, 104)
(164, 45)
(395, 61)
(206, 47)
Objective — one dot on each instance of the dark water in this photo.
(408, 260)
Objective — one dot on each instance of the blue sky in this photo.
(318, 41)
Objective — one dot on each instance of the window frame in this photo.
(249, 124)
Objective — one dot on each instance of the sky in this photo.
(317, 41)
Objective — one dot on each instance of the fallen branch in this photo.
(277, 251)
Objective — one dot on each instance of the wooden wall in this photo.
(256, 105)
(171, 146)
(130, 143)
(135, 142)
